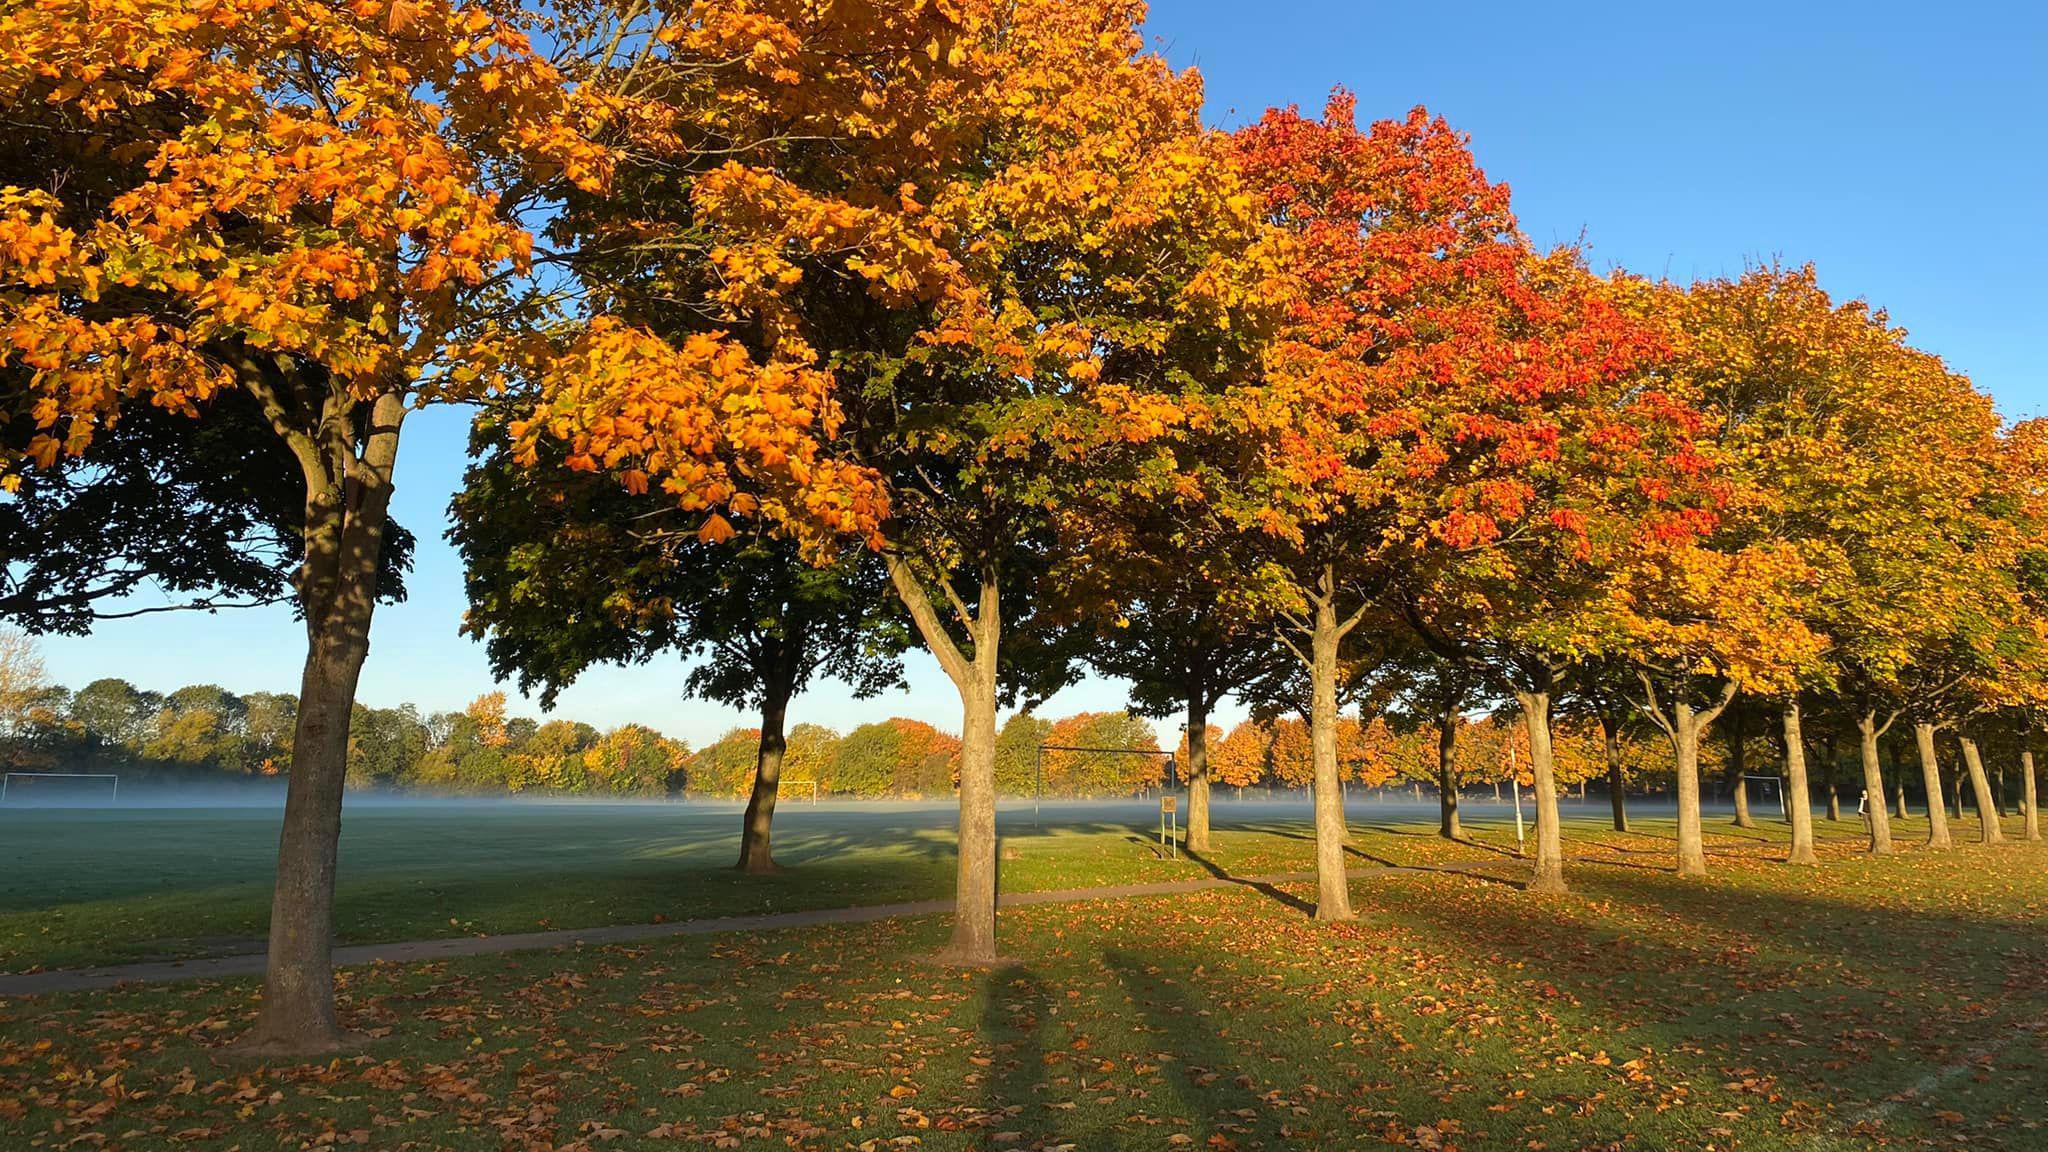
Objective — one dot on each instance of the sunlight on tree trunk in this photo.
(1448, 825)
(757, 856)
(1798, 802)
(1980, 788)
(1548, 875)
(1875, 799)
(1333, 888)
(1196, 772)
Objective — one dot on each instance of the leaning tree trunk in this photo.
(2029, 806)
(1333, 888)
(1980, 787)
(1617, 799)
(757, 857)
(1685, 747)
(1197, 772)
(1798, 804)
(1738, 767)
(1874, 798)
(1548, 875)
(974, 677)
(346, 502)
(1447, 776)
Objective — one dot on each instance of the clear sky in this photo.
(1901, 147)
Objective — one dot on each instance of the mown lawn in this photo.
(1872, 1003)
(90, 887)
(80, 888)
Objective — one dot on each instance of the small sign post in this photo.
(1169, 823)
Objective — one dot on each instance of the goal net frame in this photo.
(113, 794)
(782, 789)
(1777, 786)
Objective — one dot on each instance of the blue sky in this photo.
(1902, 148)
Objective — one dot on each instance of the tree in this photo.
(1411, 392)
(895, 757)
(567, 569)
(1017, 763)
(322, 209)
(947, 319)
(22, 683)
(1240, 759)
(1103, 770)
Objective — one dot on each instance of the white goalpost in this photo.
(9, 789)
(803, 790)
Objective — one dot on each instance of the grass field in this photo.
(1893, 1002)
(81, 887)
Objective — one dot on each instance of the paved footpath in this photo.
(411, 951)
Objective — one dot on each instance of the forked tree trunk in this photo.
(1875, 798)
(1617, 799)
(757, 856)
(974, 676)
(2029, 804)
(1196, 771)
(1447, 776)
(1798, 803)
(1548, 875)
(1686, 727)
(1980, 787)
(346, 502)
(1738, 768)
(1333, 887)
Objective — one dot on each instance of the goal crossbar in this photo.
(113, 793)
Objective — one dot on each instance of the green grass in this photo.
(92, 887)
(1765, 1008)
(88, 887)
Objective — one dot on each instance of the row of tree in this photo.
(804, 333)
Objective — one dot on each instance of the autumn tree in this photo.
(567, 570)
(1414, 388)
(322, 209)
(933, 273)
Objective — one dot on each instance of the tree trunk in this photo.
(1798, 803)
(757, 857)
(1891, 755)
(1685, 747)
(1447, 776)
(1196, 771)
(1333, 888)
(1617, 799)
(974, 677)
(1980, 787)
(1828, 772)
(1738, 768)
(1874, 797)
(1930, 779)
(2029, 805)
(346, 502)
(1549, 871)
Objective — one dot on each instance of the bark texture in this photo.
(757, 854)
(1738, 768)
(1196, 771)
(1798, 801)
(2030, 806)
(1617, 797)
(973, 673)
(1333, 888)
(348, 493)
(1874, 797)
(1980, 787)
(1449, 825)
(1548, 875)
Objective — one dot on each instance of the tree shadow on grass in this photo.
(1214, 1094)
(1843, 1006)
(1269, 891)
